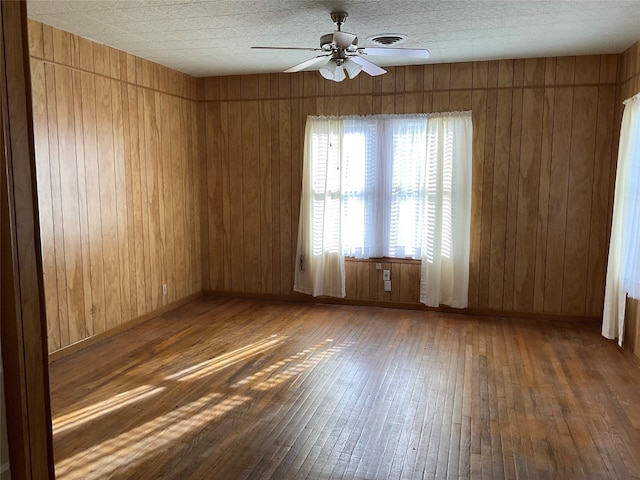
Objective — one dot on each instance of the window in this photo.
(387, 186)
(623, 268)
(383, 178)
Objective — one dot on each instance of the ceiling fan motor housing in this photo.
(326, 42)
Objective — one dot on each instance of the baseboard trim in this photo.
(481, 312)
(86, 342)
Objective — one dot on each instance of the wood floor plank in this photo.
(226, 388)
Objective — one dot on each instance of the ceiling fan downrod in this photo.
(339, 18)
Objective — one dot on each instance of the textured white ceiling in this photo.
(205, 38)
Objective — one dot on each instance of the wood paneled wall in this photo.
(125, 147)
(543, 165)
(118, 184)
(629, 86)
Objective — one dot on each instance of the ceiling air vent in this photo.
(387, 39)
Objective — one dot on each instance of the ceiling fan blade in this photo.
(371, 68)
(343, 39)
(395, 52)
(289, 48)
(307, 63)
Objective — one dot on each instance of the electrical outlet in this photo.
(386, 275)
(387, 285)
(165, 290)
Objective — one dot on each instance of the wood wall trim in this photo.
(408, 306)
(412, 91)
(87, 342)
(110, 77)
(23, 320)
(59, 48)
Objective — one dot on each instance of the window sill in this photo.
(411, 261)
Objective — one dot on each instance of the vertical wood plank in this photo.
(120, 188)
(152, 208)
(82, 206)
(45, 201)
(499, 200)
(558, 190)
(108, 201)
(410, 282)
(285, 190)
(487, 195)
(512, 198)
(165, 199)
(351, 276)
(236, 238)
(297, 139)
(579, 197)
(275, 188)
(56, 196)
(182, 213)
(600, 228)
(213, 202)
(92, 182)
(226, 207)
(134, 192)
(543, 200)
(251, 197)
(36, 41)
(479, 108)
(528, 189)
(70, 209)
(362, 285)
(198, 193)
(144, 148)
(266, 210)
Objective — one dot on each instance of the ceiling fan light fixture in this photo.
(327, 72)
(352, 68)
(332, 71)
(339, 74)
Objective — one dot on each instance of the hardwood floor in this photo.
(244, 389)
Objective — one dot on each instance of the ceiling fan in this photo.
(341, 53)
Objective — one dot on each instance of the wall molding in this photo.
(547, 317)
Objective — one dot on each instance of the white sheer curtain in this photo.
(447, 218)
(387, 186)
(320, 269)
(623, 268)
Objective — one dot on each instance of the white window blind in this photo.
(390, 186)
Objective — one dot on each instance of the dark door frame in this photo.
(22, 317)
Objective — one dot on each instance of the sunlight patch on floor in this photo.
(218, 363)
(137, 443)
(272, 378)
(68, 421)
(102, 460)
